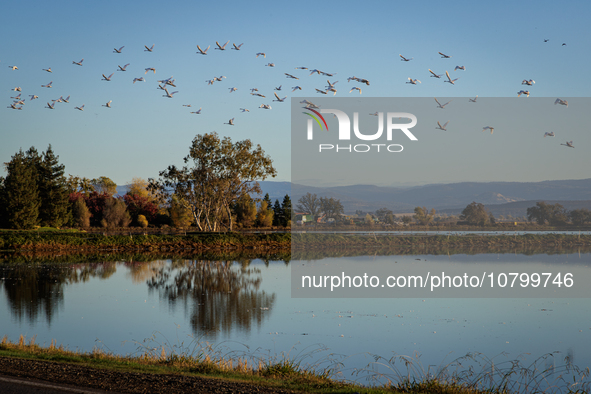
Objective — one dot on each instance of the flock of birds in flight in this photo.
(165, 84)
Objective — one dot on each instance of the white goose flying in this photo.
(221, 47)
(65, 100)
(47, 86)
(549, 134)
(197, 112)
(435, 75)
(123, 68)
(18, 89)
(13, 67)
(150, 69)
(257, 94)
(13, 106)
(561, 102)
(291, 76)
(51, 106)
(115, 50)
(201, 51)
(294, 88)
(17, 97)
(81, 108)
(149, 49)
(107, 78)
(474, 99)
(33, 97)
(48, 70)
(444, 56)
(529, 82)
(440, 127)
(244, 110)
(270, 65)
(236, 47)
(526, 92)
(169, 95)
(404, 59)
(449, 78)
(108, 105)
(230, 122)
(261, 54)
(489, 128)
(233, 89)
(141, 79)
(413, 81)
(78, 63)
(265, 106)
(355, 88)
(321, 91)
(442, 106)
(278, 88)
(279, 99)
(569, 144)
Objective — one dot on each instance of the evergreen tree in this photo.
(277, 214)
(3, 223)
(20, 194)
(267, 199)
(53, 191)
(286, 209)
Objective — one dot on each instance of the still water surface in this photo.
(247, 306)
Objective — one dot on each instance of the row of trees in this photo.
(328, 207)
(212, 192)
(557, 215)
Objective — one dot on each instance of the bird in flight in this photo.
(17, 89)
(460, 68)
(115, 50)
(294, 88)
(197, 112)
(444, 56)
(278, 88)
(290, 76)
(546, 40)
(236, 47)
(270, 64)
(48, 70)
(265, 106)
(13, 67)
(549, 134)
(80, 108)
(230, 122)
(413, 81)
(564, 44)
(489, 128)
(440, 127)
(279, 99)
(474, 99)
(107, 78)
(244, 110)
(321, 91)
(187, 105)
(51, 106)
(404, 59)
(449, 78)
(13, 106)
(139, 80)
(375, 113)
(301, 68)
(528, 82)
(201, 51)
(65, 100)
(233, 89)
(123, 68)
(261, 54)
(169, 95)
(47, 86)
(221, 47)
(561, 102)
(149, 49)
(33, 97)
(569, 144)
(442, 106)
(108, 105)
(78, 63)
(257, 94)
(435, 75)
(355, 88)
(150, 69)
(526, 92)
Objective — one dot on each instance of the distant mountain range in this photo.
(501, 198)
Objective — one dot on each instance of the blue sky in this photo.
(500, 44)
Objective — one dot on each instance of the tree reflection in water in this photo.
(33, 289)
(222, 294)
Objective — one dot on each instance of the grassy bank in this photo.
(417, 241)
(70, 241)
(165, 369)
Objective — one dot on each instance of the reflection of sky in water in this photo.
(108, 312)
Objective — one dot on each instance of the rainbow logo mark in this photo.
(316, 119)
